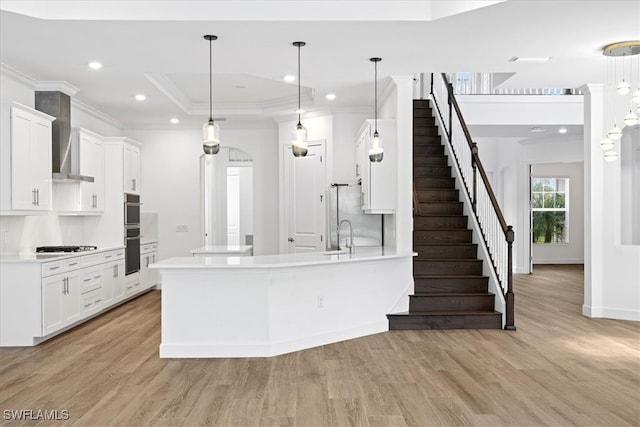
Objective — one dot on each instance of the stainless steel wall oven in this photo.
(131, 233)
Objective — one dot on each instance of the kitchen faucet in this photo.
(351, 246)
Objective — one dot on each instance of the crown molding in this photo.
(17, 76)
(57, 86)
(272, 106)
(165, 85)
(95, 113)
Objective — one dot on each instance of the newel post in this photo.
(509, 324)
(474, 156)
(431, 85)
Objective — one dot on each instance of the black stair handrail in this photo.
(476, 165)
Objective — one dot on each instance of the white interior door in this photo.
(304, 187)
(233, 206)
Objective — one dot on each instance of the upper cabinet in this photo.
(378, 180)
(131, 168)
(84, 197)
(26, 160)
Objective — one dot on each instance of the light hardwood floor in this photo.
(559, 369)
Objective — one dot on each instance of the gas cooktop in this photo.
(65, 248)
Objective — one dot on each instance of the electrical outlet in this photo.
(182, 228)
(320, 301)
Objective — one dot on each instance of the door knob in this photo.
(290, 239)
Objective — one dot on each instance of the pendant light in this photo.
(210, 130)
(299, 146)
(376, 152)
(630, 119)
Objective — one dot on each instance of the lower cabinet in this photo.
(148, 255)
(60, 301)
(39, 299)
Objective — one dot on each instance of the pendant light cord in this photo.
(299, 84)
(375, 67)
(210, 82)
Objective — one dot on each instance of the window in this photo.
(550, 209)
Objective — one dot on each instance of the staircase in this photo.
(450, 289)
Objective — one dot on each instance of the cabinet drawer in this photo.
(62, 266)
(92, 301)
(91, 281)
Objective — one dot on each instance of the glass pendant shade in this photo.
(623, 88)
(615, 133)
(376, 153)
(611, 156)
(636, 96)
(211, 137)
(630, 119)
(299, 145)
(607, 144)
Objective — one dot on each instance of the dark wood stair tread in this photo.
(449, 276)
(452, 294)
(445, 313)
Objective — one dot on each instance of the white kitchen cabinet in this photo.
(60, 301)
(26, 160)
(40, 299)
(84, 197)
(131, 169)
(148, 255)
(91, 154)
(378, 180)
(113, 272)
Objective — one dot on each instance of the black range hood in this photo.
(64, 153)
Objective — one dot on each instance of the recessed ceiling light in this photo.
(140, 97)
(175, 120)
(289, 78)
(536, 129)
(331, 96)
(95, 65)
(530, 59)
(562, 130)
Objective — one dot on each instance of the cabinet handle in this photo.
(357, 169)
(88, 305)
(38, 197)
(33, 197)
(133, 184)
(66, 285)
(115, 270)
(97, 277)
(54, 268)
(72, 264)
(87, 280)
(98, 301)
(147, 262)
(108, 256)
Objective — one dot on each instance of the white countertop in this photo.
(279, 260)
(223, 249)
(49, 256)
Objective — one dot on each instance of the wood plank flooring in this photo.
(558, 369)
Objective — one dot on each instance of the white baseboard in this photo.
(559, 261)
(266, 349)
(611, 313)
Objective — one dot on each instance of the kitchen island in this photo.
(273, 304)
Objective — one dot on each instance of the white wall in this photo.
(571, 252)
(612, 270)
(170, 184)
